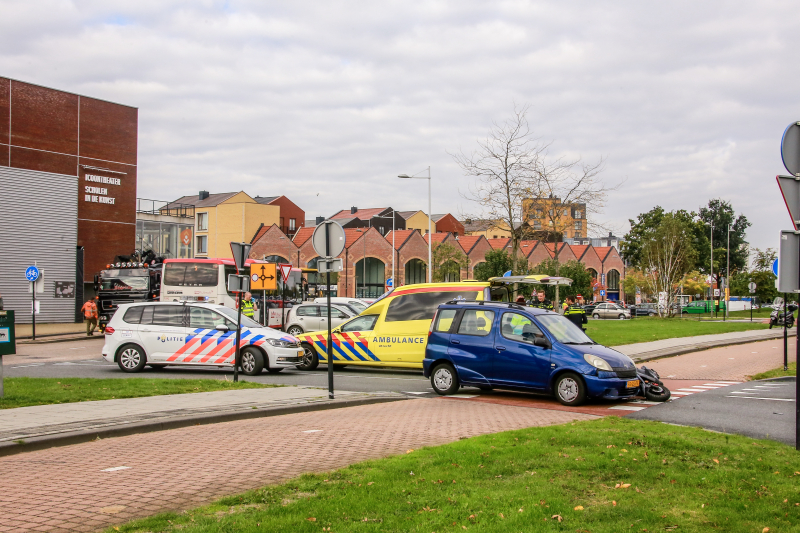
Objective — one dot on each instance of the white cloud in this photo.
(686, 101)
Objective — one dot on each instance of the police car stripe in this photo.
(207, 340)
(221, 342)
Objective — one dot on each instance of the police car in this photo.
(166, 333)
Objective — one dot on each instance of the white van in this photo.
(355, 303)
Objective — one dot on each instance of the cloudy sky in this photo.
(326, 102)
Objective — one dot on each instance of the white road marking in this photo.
(115, 468)
(462, 396)
(312, 431)
(707, 387)
(645, 402)
(412, 392)
(727, 382)
(692, 390)
(627, 408)
(737, 392)
(772, 399)
(26, 366)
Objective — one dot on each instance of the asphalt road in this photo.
(759, 409)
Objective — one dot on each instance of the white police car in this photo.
(170, 333)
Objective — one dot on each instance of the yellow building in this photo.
(417, 220)
(549, 214)
(227, 217)
(491, 229)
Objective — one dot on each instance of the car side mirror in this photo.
(222, 327)
(542, 342)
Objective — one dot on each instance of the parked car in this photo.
(494, 344)
(357, 304)
(308, 317)
(588, 308)
(702, 306)
(645, 309)
(610, 310)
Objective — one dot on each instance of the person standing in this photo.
(89, 310)
(540, 301)
(249, 306)
(575, 313)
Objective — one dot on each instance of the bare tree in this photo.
(505, 163)
(668, 255)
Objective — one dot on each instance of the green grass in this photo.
(618, 332)
(602, 476)
(778, 372)
(22, 392)
(757, 314)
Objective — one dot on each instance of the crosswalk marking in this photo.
(628, 407)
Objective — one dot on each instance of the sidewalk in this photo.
(28, 428)
(47, 333)
(645, 351)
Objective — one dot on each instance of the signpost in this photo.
(239, 283)
(328, 241)
(788, 265)
(32, 274)
(752, 287)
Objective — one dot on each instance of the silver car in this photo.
(309, 317)
(611, 310)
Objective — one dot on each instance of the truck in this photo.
(125, 282)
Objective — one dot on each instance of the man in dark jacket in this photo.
(575, 313)
(540, 302)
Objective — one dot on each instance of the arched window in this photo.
(592, 272)
(612, 280)
(475, 268)
(370, 281)
(416, 271)
(275, 259)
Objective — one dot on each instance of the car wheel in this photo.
(621, 316)
(444, 379)
(252, 361)
(131, 358)
(595, 316)
(570, 389)
(295, 331)
(309, 361)
(651, 314)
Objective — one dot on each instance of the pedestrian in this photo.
(575, 313)
(540, 301)
(249, 306)
(89, 310)
(521, 300)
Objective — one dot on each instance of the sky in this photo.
(327, 102)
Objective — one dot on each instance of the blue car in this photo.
(509, 346)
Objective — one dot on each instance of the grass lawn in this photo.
(618, 332)
(21, 392)
(760, 314)
(778, 372)
(602, 476)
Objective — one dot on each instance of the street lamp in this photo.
(430, 214)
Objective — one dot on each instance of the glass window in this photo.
(292, 224)
(133, 315)
(168, 315)
(362, 323)
(202, 244)
(423, 305)
(308, 310)
(147, 315)
(202, 221)
(578, 225)
(476, 322)
(563, 329)
(444, 320)
(200, 317)
(246, 322)
(358, 306)
(517, 327)
(122, 280)
(415, 271)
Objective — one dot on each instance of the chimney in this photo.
(203, 195)
(610, 234)
(353, 210)
(319, 220)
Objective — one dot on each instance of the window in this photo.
(292, 224)
(578, 225)
(578, 235)
(551, 212)
(168, 315)
(537, 224)
(474, 322)
(517, 327)
(444, 320)
(202, 221)
(147, 315)
(422, 305)
(308, 310)
(191, 274)
(200, 317)
(382, 230)
(362, 323)
(202, 244)
(133, 315)
(578, 214)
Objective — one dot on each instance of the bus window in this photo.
(191, 274)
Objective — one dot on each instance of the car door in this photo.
(351, 340)
(308, 317)
(471, 345)
(165, 336)
(600, 310)
(205, 344)
(517, 361)
(339, 315)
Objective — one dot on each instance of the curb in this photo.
(77, 437)
(49, 339)
(689, 348)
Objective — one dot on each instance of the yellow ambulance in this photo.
(393, 331)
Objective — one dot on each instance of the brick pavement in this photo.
(66, 489)
(732, 363)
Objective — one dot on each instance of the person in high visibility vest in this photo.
(249, 306)
(89, 310)
(541, 302)
(575, 313)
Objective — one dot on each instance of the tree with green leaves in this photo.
(574, 270)
(668, 253)
(497, 263)
(721, 215)
(448, 261)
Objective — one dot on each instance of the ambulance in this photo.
(393, 331)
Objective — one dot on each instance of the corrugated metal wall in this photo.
(38, 224)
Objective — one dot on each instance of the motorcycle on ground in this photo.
(778, 317)
(650, 385)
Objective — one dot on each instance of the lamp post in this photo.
(728, 275)
(711, 289)
(430, 214)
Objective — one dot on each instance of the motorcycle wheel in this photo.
(657, 394)
(789, 323)
(770, 324)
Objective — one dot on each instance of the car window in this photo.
(200, 317)
(357, 305)
(307, 310)
(133, 315)
(517, 327)
(147, 315)
(336, 310)
(563, 329)
(422, 305)
(232, 315)
(444, 320)
(362, 323)
(475, 322)
(168, 315)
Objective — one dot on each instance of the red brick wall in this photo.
(4, 112)
(449, 223)
(271, 243)
(414, 248)
(290, 210)
(376, 246)
(476, 255)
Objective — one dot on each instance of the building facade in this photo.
(550, 215)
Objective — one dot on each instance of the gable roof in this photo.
(437, 237)
(603, 251)
(499, 244)
(401, 237)
(437, 218)
(302, 235)
(408, 214)
(259, 233)
(361, 214)
(579, 250)
(265, 199)
(351, 235)
(527, 247)
(211, 201)
(468, 242)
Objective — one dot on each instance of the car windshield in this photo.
(246, 322)
(122, 282)
(563, 329)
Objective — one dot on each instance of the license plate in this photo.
(632, 384)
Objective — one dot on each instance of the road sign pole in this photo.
(33, 307)
(796, 380)
(328, 299)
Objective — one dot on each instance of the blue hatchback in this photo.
(508, 346)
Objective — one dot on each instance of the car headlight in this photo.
(597, 362)
(280, 344)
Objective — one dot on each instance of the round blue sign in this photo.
(775, 267)
(389, 282)
(32, 273)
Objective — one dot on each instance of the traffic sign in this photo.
(240, 251)
(390, 282)
(775, 267)
(788, 253)
(237, 283)
(285, 270)
(716, 293)
(790, 189)
(263, 277)
(752, 287)
(602, 292)
(330, 265)
(790, 148)
(328, 239)
(32, 273)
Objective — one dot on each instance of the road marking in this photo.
(772, 399)
(707, 387)
(463, 396)
(727, 382)
(627, 408)
(312, 431)
(26, 366)
(645, 402)
(412, 392)
(115, 468)
(692, 390)
(678, 393)
(737, 392)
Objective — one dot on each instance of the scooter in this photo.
(650, 386)
(778, 317)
